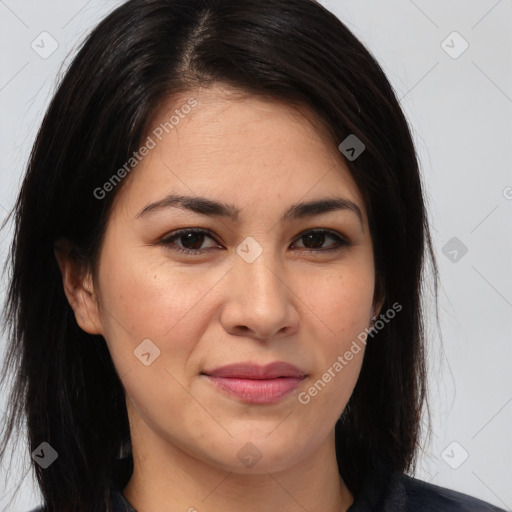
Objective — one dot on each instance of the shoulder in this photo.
(420, 496)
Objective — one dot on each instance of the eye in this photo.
(189, 237)
(192, 240)
(316, 238)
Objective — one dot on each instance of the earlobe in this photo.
(78, 288)
(379, 297)
(377, 309)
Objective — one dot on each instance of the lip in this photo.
(257, 384)
(254, 371)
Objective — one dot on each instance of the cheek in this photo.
(340, 304)
(151, 298)
(154, 298)
(341, 301)
(144, 300)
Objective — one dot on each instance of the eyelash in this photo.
(167, 241)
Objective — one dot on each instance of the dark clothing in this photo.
(402, 494)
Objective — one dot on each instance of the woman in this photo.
(279, 367)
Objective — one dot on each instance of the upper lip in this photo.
(254, 371)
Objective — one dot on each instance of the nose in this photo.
(260, 301)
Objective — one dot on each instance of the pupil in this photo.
(315, 237)
(191, 237)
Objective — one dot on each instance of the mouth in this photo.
(256, 384)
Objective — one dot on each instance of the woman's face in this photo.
(261, 288)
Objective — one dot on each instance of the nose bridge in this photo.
(258, 268)
(258, 294)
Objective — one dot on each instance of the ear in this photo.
(377, 307)
(379, 296)
(79, 288)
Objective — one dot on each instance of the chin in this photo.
(255, 454)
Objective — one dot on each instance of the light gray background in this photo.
(460, 111)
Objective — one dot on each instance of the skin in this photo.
(206, 310)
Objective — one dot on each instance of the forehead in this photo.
(219, 141)
(220, 110)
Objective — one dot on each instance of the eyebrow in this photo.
(206, 206)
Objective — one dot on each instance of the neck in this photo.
(167, 478)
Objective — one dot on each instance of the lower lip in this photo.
(257, 391)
